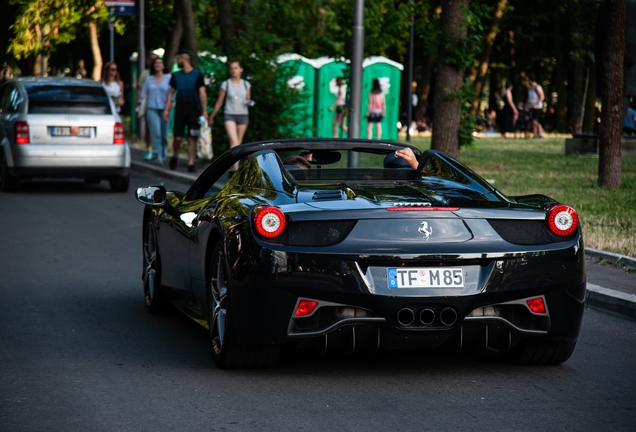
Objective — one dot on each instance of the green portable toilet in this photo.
(304, 81)
(328, 69)
(389, 73)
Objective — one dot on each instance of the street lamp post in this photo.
(357, 48)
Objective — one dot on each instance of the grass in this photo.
(528, 166)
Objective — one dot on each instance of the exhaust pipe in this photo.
(448, 316)
(405, 317)
(427, 316)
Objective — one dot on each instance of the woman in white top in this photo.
(155, 89)
(339, 105)
(113, 83)
(235, 96)
(535, 105)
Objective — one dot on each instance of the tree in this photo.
(450, 76)
(612, 20)
(43, 25)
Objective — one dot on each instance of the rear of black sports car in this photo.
(400, 264)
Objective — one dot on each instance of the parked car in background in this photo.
(61, 128)
(296, 247)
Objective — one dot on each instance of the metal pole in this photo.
(142, 37)
(111, 28)
(42, 59)
(357, 48)
(141, 63)
(409, 111)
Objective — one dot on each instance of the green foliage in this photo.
(42, 25)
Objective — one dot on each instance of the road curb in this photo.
(611, 301)
(174, 175)
(614, 258)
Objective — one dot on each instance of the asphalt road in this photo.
(78, 351)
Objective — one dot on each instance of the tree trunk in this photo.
(495, 89)
(479, 78)
(576, 83)
(227, 25)
(559, 75)
(424, 87)
(189, 38)
(609, 162)
(97, 53)
(589, 119)
(575, 98)
(449, 80)
(174, 37)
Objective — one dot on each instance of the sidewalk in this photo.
(180, 174)
(609, 287)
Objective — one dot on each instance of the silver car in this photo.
(61, 127)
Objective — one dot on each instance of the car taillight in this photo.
(536, 305)
(269, 222)
(21, 133)
(562, 220)
(118, 134)
(305, 308)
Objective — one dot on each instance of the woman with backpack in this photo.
(235, 96)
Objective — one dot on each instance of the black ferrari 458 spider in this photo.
(298, 246)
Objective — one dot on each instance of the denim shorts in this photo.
(239, 119)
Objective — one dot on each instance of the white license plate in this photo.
(71, 131)
(439, 277)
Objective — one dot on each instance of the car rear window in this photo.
(48, 99)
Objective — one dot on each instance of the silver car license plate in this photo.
(438, 277)
(68, 131)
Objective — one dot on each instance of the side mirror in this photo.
(154, 196)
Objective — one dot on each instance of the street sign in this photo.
(121, 7)
(125, 10)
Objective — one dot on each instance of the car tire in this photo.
(540, 352)
(120, 184)
(156, 300)
(226, 351)
(8, 183)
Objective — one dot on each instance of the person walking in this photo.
(376, 110)
(156, 89)
(509, 113)
(190, 105)
(339, 105)
(114, 85)
(629, 122)
(235, 96)
(535, 105)
(142, 79)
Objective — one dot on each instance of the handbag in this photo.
(143, 106)
(204, 142)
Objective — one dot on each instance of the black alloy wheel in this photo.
(8, 183)
(226, 352)
(156, 300)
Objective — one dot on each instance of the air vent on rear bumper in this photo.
(315, 233)
(525, 232)
(327, 195)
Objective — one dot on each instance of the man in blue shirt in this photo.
(629, 123)
(190, 105)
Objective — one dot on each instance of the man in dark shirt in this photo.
(190, 105)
